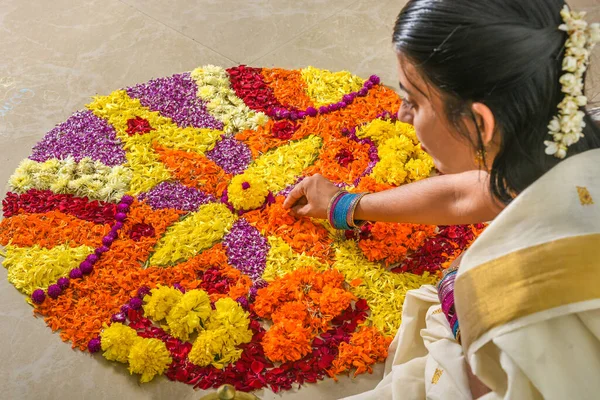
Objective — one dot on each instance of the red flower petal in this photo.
(257, 367)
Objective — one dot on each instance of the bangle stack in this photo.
(340, 211)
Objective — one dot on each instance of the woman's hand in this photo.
(311, 197)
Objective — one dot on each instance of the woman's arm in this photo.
(441, 200)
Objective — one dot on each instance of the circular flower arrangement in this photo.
(150, 227)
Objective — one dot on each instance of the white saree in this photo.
(528, 300)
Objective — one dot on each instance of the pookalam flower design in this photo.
(150, 227)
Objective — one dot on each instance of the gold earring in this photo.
(479, 158)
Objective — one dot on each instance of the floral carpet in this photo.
(149, 227)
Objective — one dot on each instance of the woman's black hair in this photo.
(506, 54)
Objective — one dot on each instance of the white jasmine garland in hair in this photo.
(566, 128)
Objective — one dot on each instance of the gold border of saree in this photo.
(525, 282)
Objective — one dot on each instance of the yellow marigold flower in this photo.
(401, 157)
(149, 357)
(186, 316)
(400, 147)
(389, 171)
(247, 192)
(117, 341)
(229, 314)
(418, 169)
(227, 328)
(228, 355)
(161, 301)
(380, 130)
(207, 345)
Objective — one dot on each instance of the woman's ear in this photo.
(485, 122)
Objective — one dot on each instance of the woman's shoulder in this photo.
(563, 203)
(540, 254)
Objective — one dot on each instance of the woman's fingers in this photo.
(296, 194)
(301, 210)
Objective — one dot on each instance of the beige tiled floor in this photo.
(56, 54)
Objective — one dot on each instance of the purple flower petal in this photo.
(136, 303)
(175, 97)
(143, 291)
(231, 155)
(175, 195)
(246, 249)
(94, 345)
(82, 135)
(38, 296)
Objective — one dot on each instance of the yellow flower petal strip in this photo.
(325, 87)
(31, 268)
(383, 290)
(195, 233)
(222, 102)
(282, 259)
(86, 178)
(272, 172)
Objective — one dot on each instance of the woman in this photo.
(494, 89)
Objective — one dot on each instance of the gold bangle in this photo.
(350, 217)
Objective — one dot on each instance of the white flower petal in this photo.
(551, 147)
(581, 101)
(554, 125)
(570, 64)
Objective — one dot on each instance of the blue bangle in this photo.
(340, 212)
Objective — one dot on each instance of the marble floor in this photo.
(56, 54)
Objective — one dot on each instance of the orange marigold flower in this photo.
(330, 167)
(332, 300)
(304, 298)
(367, 346)
(293, 310)
(368, 184)
(287, 341)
